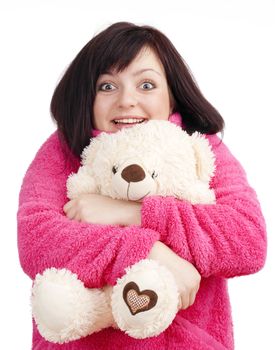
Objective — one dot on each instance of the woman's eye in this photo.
(106, 87)
(147, 85)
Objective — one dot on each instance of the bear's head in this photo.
(154, 158)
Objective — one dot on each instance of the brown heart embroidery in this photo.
(138, 301)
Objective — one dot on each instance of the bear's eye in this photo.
(154, 174)
(114, 169)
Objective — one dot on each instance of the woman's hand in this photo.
(186, 275)
(98, 209)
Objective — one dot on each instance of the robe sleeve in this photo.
(224, 239)
(98, 254)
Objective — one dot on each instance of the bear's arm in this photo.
(98, 254)
(224, 239)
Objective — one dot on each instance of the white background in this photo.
(229, 46)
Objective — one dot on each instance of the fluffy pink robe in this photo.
(223, 240)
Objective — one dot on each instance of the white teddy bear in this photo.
(154, 158)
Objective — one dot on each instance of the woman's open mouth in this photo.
(127, 122)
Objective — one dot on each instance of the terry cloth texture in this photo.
(222, 240)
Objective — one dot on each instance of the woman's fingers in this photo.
(68, 206)
(192, 297)
(70, 211)
(186, 299)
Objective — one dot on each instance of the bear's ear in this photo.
(80, 183)
(89, 152)
(205, 159)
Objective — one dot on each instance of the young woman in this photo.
(129, 74)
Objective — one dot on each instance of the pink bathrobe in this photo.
(223, 240)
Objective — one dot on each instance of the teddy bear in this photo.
(152, 158)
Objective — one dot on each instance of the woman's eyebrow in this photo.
(136, 73)
(145, 70)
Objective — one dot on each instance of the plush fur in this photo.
(174, 163)
(156, 158)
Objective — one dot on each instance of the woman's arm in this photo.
(98, 254)
(98, 209)
(94, 208)
(225, 239)
(186, 275)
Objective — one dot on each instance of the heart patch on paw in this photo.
(138, 301)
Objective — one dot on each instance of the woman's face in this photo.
(137, 94)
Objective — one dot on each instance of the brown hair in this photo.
(115, 48)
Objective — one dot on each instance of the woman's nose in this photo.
(127, 98)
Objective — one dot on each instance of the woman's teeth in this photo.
(128, 121)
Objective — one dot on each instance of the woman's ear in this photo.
(205, 159)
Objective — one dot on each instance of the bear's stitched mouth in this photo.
(135, 200)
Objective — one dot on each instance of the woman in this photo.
(128, 74)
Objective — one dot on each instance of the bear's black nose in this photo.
(133, 173)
